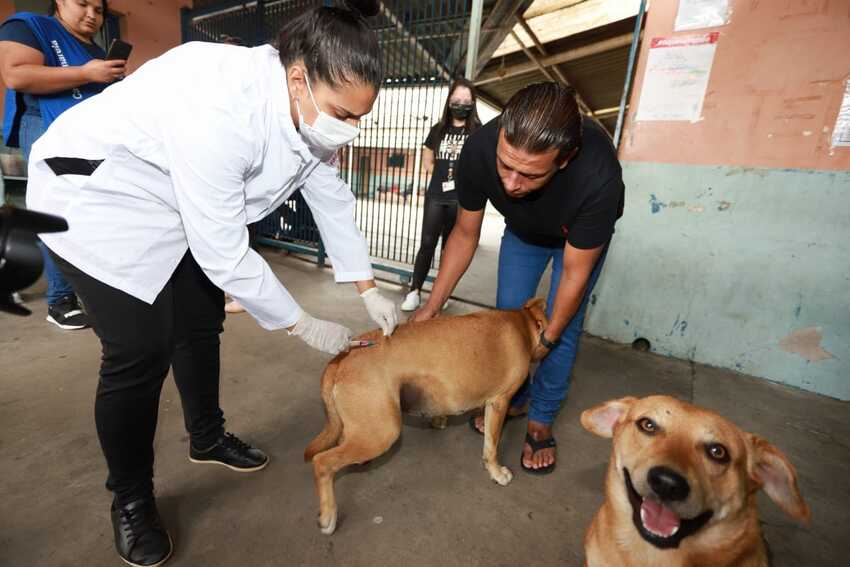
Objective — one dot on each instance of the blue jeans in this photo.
(521, 266)
(57, 286)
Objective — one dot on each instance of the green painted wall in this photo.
(747, 269)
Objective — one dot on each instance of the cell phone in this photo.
(118, 50)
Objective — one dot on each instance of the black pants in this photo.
(437, 220)
(140, 342)
(253, 234)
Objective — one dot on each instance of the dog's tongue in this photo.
(658, 519)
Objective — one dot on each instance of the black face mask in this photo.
(460, 111)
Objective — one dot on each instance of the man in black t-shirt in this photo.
(555, 177)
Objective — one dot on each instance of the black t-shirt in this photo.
(579, 205)
(446, 150)
(19, 32)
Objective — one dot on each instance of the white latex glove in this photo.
(381, 310)
(325, 336)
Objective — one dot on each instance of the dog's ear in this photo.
(770, 469)
(536, 308)
(602, 419)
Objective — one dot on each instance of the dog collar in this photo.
(547, 343)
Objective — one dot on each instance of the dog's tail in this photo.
(333, 427)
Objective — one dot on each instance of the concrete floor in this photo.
(478, 285)
(427, 502)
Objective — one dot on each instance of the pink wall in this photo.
(773, 94)
(7, 8)
(152, 26)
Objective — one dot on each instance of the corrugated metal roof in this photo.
(598, 77)
(555, 20)
(419, 39)
(596, 59)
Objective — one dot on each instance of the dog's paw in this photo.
(327, 525)
(502, 475)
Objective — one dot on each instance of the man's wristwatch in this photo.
(547, 343)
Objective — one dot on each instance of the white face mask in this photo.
(327, 134)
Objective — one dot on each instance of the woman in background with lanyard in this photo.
(49, 64)
(158, 190)
(440, 151)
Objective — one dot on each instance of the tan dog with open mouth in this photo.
(681, 487)
(444, 366)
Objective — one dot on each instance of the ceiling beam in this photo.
(499, 22)
(563, 57)
(542, 7)
(490, 99)
(413, 41)
(606, 112)
(542, 50)
(533, 57)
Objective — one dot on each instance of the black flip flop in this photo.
(508, 417)
(537, 446)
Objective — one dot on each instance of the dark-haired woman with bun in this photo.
(439, 154)
(166, 170)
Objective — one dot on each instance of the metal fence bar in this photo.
(419, 42)
(627, 87)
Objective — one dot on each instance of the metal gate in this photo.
(423, 43)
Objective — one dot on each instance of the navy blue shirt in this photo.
(20, 32)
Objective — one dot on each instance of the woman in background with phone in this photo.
(49, 64)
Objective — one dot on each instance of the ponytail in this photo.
(335, 44)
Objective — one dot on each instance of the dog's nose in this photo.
(668, 484)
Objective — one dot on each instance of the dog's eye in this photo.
(647, 426)
(717, 452)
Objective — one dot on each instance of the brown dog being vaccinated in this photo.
(681, 487)
(444, 366)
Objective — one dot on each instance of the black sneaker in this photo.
(140, 539)
(67, 314)
(231, 452)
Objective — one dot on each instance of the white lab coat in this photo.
(196, 144)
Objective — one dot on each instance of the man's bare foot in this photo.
(543, 458)
(512, 412)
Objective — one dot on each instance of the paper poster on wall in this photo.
(841, 133)
(696, 14)
(676, 77)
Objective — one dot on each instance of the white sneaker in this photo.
(411, 301)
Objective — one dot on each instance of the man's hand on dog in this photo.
(423, 314)
(428, 311)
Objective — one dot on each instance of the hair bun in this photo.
(366, 8)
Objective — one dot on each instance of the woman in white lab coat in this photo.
(158, 177)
